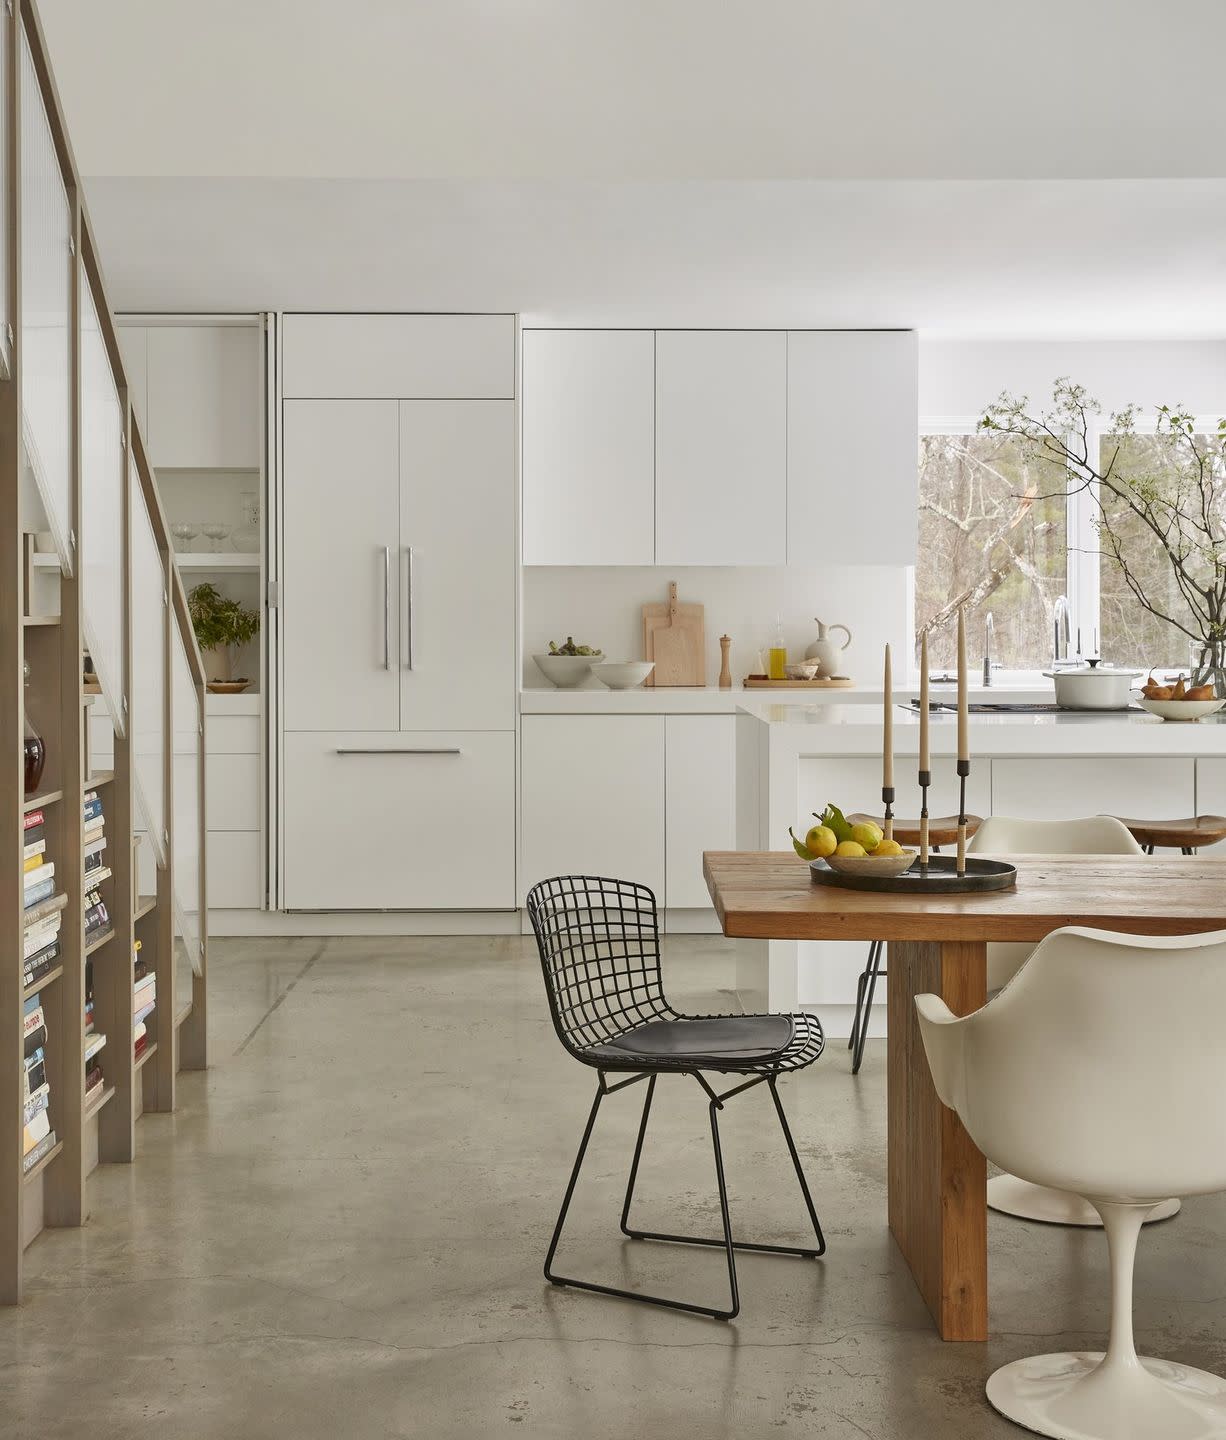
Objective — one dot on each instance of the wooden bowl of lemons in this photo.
(867, 864)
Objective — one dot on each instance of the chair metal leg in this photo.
(773, 1082)
(862, 1014)
(861, 980)
(804, 1252)
(562, 1281)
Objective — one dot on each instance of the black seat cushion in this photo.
(742, 1039)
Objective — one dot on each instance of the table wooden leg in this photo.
(937, 1177)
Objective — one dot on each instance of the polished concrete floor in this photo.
(340, 1235)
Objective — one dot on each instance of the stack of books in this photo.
(42, 906)
(144, 999)
(93, 1066)
(97, 921)
(38, 1136)
(38, 873)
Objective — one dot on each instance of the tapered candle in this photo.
(924, 761)
(964, 748)
(887, 764)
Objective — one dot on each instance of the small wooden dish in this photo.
(227, 687)
(879, 865)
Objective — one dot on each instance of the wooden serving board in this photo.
(762, 682)
(674, 638)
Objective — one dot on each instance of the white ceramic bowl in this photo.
(566, 671)
(872, 864)
(802, 669)
(1182, 709)
(623, 674)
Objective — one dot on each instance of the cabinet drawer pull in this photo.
(373, 750)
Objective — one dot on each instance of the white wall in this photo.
(961, 377)
(603, 606)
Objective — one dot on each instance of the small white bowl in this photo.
(623, 674)
(566, 671)
(1182, 709)
(872, 864)
(802, 669)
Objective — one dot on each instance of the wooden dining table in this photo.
(936, 1176)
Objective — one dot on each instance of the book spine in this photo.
(34, 1156)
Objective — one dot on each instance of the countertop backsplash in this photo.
(602, 606)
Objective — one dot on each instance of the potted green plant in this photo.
(222, 625)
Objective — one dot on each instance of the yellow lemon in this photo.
(821, 841)
(866, 834)
(888, 847)
(849, 847)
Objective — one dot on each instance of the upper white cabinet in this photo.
(852, 428)
(721, 447)
(589, 447)
(203, 397)
(376, 357)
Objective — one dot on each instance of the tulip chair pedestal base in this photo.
(1012, 1196)
(1077, 1397)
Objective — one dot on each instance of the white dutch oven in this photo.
(1093, 687)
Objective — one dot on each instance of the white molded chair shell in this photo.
(1004, 835)
(1067, 1077)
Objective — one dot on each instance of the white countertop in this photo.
(856, 730)
(596, 699)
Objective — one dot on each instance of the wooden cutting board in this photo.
(674, 637)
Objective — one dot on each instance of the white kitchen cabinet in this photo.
(1210, 793)
(232, 790)
(339, 618)
(456, 561)
(133, 347)
(1068, 788)
(588, 473)
(721, 447)
(412, 821)
(853, 426)
(233, 873)
(700, 802)
(204, 394)
(592, 798)
(372, 357)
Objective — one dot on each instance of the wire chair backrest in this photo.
(600, 954)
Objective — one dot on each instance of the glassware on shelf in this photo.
(218, 534)
(35, 748)
(184, 533)
(246, 537)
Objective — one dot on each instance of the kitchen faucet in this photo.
(989, 634)
(1062, 623)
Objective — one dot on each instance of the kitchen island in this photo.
(791, 760)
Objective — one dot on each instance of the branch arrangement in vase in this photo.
(1174, 489)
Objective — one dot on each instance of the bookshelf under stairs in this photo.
(103, 978)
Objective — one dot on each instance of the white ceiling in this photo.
(1055, 258)
(642, 89)
(670, 162)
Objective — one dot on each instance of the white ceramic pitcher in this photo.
(825, 650)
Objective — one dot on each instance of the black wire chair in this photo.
(600, 954)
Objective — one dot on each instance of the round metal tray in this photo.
(940, 877)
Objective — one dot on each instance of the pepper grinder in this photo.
(725, 671)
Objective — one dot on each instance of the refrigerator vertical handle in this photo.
(387, 607)
(408, 607)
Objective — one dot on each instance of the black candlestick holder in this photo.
(925, 779)
(887, 822)
(964, 769)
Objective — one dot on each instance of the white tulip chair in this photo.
(1066, 1079)
(1002, 835)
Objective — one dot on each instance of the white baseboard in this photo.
(255, 923)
